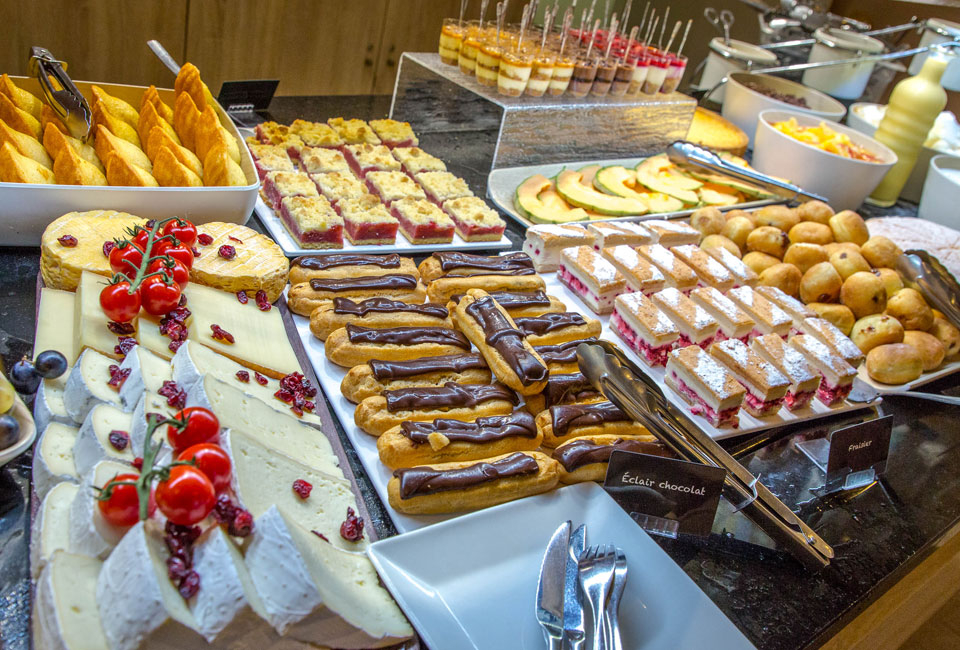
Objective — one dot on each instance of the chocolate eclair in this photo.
(375, 313)
(569, 388)
(456, 264)
(564, 422)
(375, 376)
(304, 297)
(353, 344)
(551, 329)
(562, 357)
(586, 458)
(349, 265)
(520, 303)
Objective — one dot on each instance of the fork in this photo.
(613, 606)
(596, 573)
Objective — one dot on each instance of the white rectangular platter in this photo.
(948, 368)
(291, 248)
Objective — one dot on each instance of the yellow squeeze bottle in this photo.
(914, 106)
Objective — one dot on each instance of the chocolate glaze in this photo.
(364, 282)
(512, 264)
(324, 262)
(427, 480)
(514, 299)
(448, 363)
(488, 429)
(562, 352)
(563, 389)
(540, 325)
(407, 336)
(582, 415)
(448, 396)
(507, 340)
(580, 452)
(387, 306)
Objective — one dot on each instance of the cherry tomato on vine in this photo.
(175, 270)
(123, 506)
(180, 253)
(187, 496)
(183, 230)
(202, 426)
(140, 239)
(118, 303)
(123, 252)
(160, 247)
(213, 461)
(158, 297)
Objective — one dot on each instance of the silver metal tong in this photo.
(924, 272)
(638, 395)
(69, 104)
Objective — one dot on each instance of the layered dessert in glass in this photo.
(540, 75)
(451, 38)
(674, 73)
(516, 65)
(656, 74)
(562, 74)
(584, 73)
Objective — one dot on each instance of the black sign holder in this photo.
(852, 457)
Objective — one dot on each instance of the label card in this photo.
(665, 496)
(853, 456)
(252, 95)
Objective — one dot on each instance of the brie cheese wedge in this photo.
(147, 372)
(53, 458)
(49, 531)
(93, 442)
(147, 404)
(87, 385)
(90, 324)
(48, 405)
(55, 324)
(90, 533)
(66, 607)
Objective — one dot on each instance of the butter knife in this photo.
(551, 586)
(574, 632)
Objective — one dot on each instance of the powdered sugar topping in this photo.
(661, 256)
(626, 256)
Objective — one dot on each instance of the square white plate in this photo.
(471, 582)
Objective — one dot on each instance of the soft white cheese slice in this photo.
(149, 336)
(55, 324)
(87, 385)
(48, 405)
(53, 457)
(90, 533)
(50, 529)
(90, 324)
(147, 372)
(66, 608)
(147, 404)
(93, 441)
(262, 477)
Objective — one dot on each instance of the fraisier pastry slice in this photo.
(804, 380)
(364, 158)
(734, 323)
(646, 329)
(312, 221)
(836, 374)
(769, 318)
(709, 387)
(320, 160)
(422, 222)
(766, 386)
(393, 186)
(474, 219)
(338, 186)
(443, 186)
(796, 309)
(828, 333)
(592, 278)
(629, 233)
(640, 274)
(366, 221)
(394, 133)
(678, 274)
(672, 233)
(711, 272)
(742, 274)
(544, 243)
(279, 185)
(416, 160)
(696, 325)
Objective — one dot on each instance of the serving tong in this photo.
(637, 394)
(61, 93)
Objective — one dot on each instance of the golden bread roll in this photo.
(931, 350)
(894, 363)
(17, 168)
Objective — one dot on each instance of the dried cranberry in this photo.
(352, 527)
(183, 301)
(302, 488)
(204, 239)
(242, 297)
(68, 241)
(124, 345)
(187, 534)
(196, 253)
(119, 439)
(173, 346)
(260, 378)
(262, 302)
(227, 252)
(231, 237)
(189, 585)
(309, 406)
(223, 510)
(320, 535)
(121, 329)
(176, 396)
(284, 396)
(179, 548)
(138, 463)
(244, 376)
(176, 568)
(242, 524)
(107, 247)
(220, 334)
(150, 224)
(117, 377)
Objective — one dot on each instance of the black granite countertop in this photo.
(880, 533)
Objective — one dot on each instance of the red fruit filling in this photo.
(654, 355)
(727, 417)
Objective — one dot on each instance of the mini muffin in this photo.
(759, 262)
(785, 277)
(708, 220)
(737, 230)
(817, 211)
(947, 333)
(892, 282)
(719, 241)
(811, 232)
(768, 239)
(881, 252)
(839, 315)
(778, 216)
(848, 262)
(849, 226)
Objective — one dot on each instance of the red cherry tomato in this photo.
(123, 506)
(180, 253)
(202, 426)
(140, 239)
(213, 461)
(174, 270)
(121, 254)
(187, 496)
(183, 230)
(158, 297)
(118, 303)
(160, 247)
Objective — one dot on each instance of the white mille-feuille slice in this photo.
(638, 272)
(65, 611)
(48, 405)
(829, 334)
(592, 278)
(629, 233)
(742, 274)
(709, 387)
(769, 318)
(314, 591)
(90, 533)
(804, 380)
(147, 372)
(544, 243)
(672, 233)
(836, 374)
(88, 385)
(766, 386)
(678, 275)
(50, 530)
(53, 457)
(696, 325)
(711, 272)
(734, 322)
(796, 309)
(646, 329)
(105, 434)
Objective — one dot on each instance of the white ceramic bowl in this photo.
(28, 432)
(941, 191)
(844, 182)
(742, 105)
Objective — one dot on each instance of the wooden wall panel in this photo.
(102, 40)
(315, 47)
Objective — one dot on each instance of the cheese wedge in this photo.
(88, 385)
(260, 339)
(147, 404)
(306, 582)
(60, 265)
(55, 324)
(48, 405)
(66, 606)
(90, 324)
(53, 458)
(259, 263)
(149, 336)
(50, 529)
(93, 442)
(90, 533)
(147, 372)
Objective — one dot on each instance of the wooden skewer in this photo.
(633, 37)
(596, 26)
(613, 30)
(683, 41)
(673, 34)
(663, 27)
